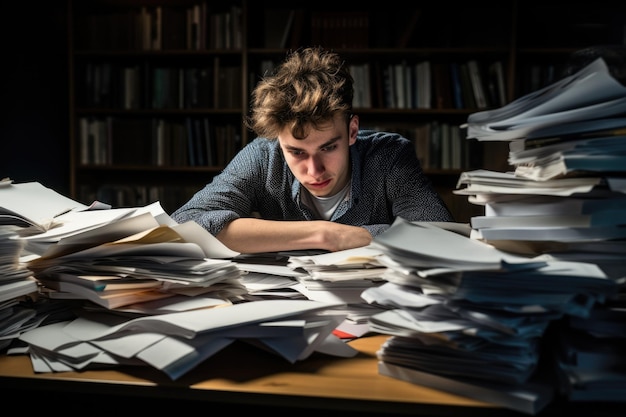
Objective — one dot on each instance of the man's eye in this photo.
(329, 148)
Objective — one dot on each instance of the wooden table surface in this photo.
(245, 374)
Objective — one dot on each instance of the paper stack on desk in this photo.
(175, 290)
(16, 285)
(469, 319)
(184, 259)
(176, 343)
(507, 332)
(590, 94)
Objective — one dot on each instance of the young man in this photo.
(312, 179)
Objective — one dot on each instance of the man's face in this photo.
(321, 161)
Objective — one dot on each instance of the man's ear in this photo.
(353, 128)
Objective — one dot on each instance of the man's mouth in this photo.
(319, 185)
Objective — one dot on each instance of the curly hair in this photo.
(309, 88)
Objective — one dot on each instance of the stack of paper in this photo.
(15, 279)
(526, 215)
(563, 203)
(591, 93)
(570, 149)
(342, 276)
(590, 354)
(469, 318)
(21, 205)
(176, 343)
(16, 284)
(176, 257)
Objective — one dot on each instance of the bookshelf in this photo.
(158, 88)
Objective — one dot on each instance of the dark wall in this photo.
(34, 121)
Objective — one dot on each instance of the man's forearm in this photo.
(250, 235)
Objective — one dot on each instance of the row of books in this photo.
(401, 85)
(429, 85)
(340, 29)
(186, 142)
(163, 27)
(375, 27)
(111, 85)
(288, 28)
(438, 145)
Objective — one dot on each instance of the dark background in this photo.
(34, 121)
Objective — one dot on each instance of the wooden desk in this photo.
(249, 378)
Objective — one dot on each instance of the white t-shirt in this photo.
(324, 207)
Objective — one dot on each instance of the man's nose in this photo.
(315, 166)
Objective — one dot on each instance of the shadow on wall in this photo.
(34, 117)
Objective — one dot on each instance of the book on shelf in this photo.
(387, 73)
(442, 86)
(362, 87)
(194, 27)
(477, 84)
(457, 88)
(198, 87)
(421, 141)
(497, 85)
(445, 140)
(222, 29)
(467, 91)
(435, 145)
(227, 88)
(400, 81)
(423, 85)
(149, 28)
(156, 29)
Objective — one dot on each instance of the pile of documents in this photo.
(16, 284)
(331, 277)
(469, 318)
(16, 279)
(175, 343)
(144, 289)
(179, 260)
(538, 277)
(590, 94)
(529, 216)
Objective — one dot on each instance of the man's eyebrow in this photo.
(330, 142)
(323, 145)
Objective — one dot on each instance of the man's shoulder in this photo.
(260, 144)
(375, 138)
